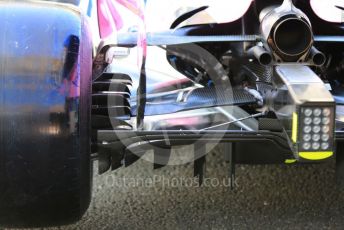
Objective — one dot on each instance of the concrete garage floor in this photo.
(267, 197)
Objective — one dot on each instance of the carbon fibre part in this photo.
(262, 72)
(198, 98)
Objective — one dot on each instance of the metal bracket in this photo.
(200, 161)
(229, 149)
(141, 96)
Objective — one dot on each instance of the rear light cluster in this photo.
(306, 110)
(316, 129)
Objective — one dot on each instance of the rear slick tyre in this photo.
(45, 103)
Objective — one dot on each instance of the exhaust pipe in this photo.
(287, 31)
(317, 57)
(292, 36)
(261, 54)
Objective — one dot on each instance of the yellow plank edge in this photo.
(294, 128)
(290, 161)
(314, 156)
